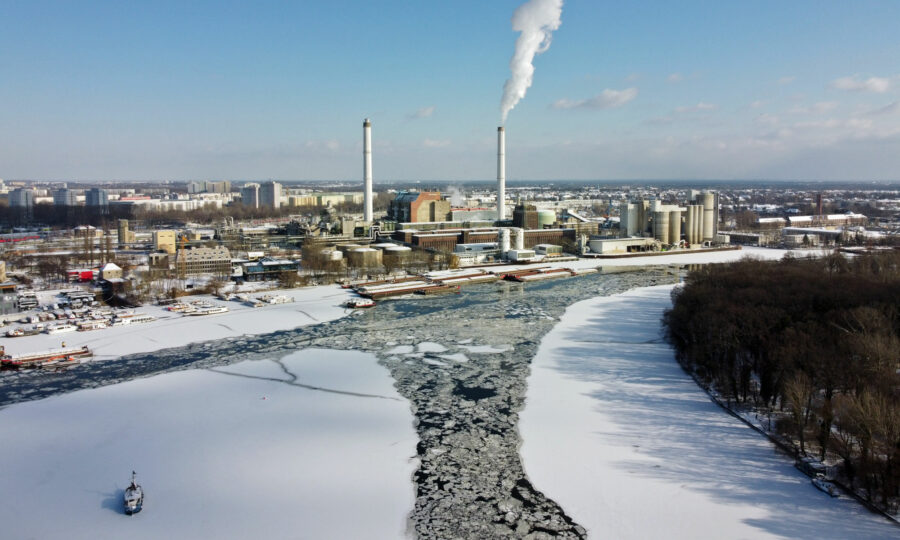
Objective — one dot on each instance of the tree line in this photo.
(814, 342)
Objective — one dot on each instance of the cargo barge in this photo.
(65, 355)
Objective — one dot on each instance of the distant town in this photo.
(143, 242)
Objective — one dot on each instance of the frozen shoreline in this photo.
(311, 305)
(234, 452)
(625, 441)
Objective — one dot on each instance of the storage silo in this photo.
(689, 224)
(396, 255)
(674, 226)
(365, 257)
(347, 248)
(520, 239)
(661, 226)
(504, 241)
(709, 216)
(546, 218)
(698, 223)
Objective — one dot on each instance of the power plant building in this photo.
(419, 206)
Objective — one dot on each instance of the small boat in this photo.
(355, 303)
(212, 310)
(134, 496)
(822, 484)
(60, 328)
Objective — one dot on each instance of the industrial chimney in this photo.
(367, 171)
(501, 173)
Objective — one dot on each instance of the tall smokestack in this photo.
(367, 171)
(501, 173)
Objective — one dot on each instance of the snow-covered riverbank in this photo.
(318, 446)
(616, 433)
(311, 305)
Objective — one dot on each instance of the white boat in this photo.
(208, 311)
(822, 484)
(61, 328)
(360, 303)
(134, 496)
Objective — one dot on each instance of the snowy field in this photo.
(311, 306)
(625, 441)
(319, 445)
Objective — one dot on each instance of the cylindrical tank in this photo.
(674, 226)
(661, 226)
(709, 216)
(332, 254)
(347, 248)
(504, 241)
(698, 223)
(546, 218)
(520, 239)
(383, 245)
(395, 256)
(689, 225)
(365, 257)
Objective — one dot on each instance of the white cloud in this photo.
(432, 143)
(675, 78)
(787, 80)
(424, 112)
(767, 119)
(879, 85)
(890, 108)
(701, 106)
(816, 108)
(606, 99)
(757, 104)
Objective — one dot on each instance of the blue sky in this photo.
(627, 90)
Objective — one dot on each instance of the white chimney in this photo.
(367, 171)
(501, 173)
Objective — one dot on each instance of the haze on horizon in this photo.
(694, 90)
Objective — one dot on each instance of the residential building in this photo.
(250, 195)
(203, 260)
(96, 197)
(270, 195)
(65, 197)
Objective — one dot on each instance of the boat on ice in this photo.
(355, 303)
(822, 484)
(65, 355)
(134, 496)
(208, 311)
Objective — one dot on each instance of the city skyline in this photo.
(804, 91)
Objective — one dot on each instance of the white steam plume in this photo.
(536, 20)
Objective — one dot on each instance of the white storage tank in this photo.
(546, 218)
(365, 257)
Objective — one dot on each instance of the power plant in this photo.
(697, 221)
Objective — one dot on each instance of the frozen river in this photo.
(460, 360)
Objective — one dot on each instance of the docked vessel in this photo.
(208, 311)
(134, 496)
(65, 355)
(360, 303)
(61, 328)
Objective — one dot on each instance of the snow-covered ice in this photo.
(318, 446)
(626, 442)
(428, 347)
(311, 305)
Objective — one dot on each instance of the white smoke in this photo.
(536, 20)
(457, 198)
